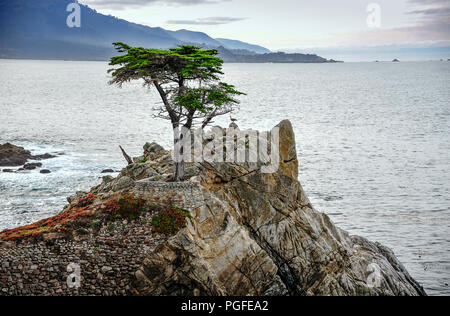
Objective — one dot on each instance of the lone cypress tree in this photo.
(187, 80)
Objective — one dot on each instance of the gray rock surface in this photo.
(13, 156)
(250, 233)
(258, 234)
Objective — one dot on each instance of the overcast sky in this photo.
(294, 24)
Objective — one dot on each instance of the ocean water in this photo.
(372, 141)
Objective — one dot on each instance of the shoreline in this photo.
(90, 233)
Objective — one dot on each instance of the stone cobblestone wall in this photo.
(107, 260)
(185, 195)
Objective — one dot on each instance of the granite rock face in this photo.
(12, 156)
(250, 233)
(258, 234)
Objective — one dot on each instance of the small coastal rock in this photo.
(8, 170)
(45, 171)
(108, 171)
(32, 166)
(43, 157)
(396, 60)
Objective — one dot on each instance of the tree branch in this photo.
(172, 115)
(127, 158)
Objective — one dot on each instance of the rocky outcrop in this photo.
(13, 156)
(248, 233)
(258, 234)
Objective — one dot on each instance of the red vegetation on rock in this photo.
(125, 206)
(57, 223)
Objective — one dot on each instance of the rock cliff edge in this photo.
(246, 233)
(258, 234)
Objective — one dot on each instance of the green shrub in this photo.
(170, 220)
(127, 207)
(94, 224)
(82, 231)
(110, 227)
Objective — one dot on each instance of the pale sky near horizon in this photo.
(294, 24)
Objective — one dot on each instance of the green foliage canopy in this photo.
(187, 79)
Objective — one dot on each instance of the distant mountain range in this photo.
(37, 29)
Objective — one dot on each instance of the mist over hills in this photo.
(238, 45)
(37, 30)
(186, 36)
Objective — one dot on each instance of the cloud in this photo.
(432, 11)
(207, 21)
(426, 33)
(437, 9)
(122, 4)
(432, 18)
(430, 25)
(428, 1)
(441, 12)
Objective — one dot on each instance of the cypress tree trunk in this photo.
(179, 164)
(179, 171)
